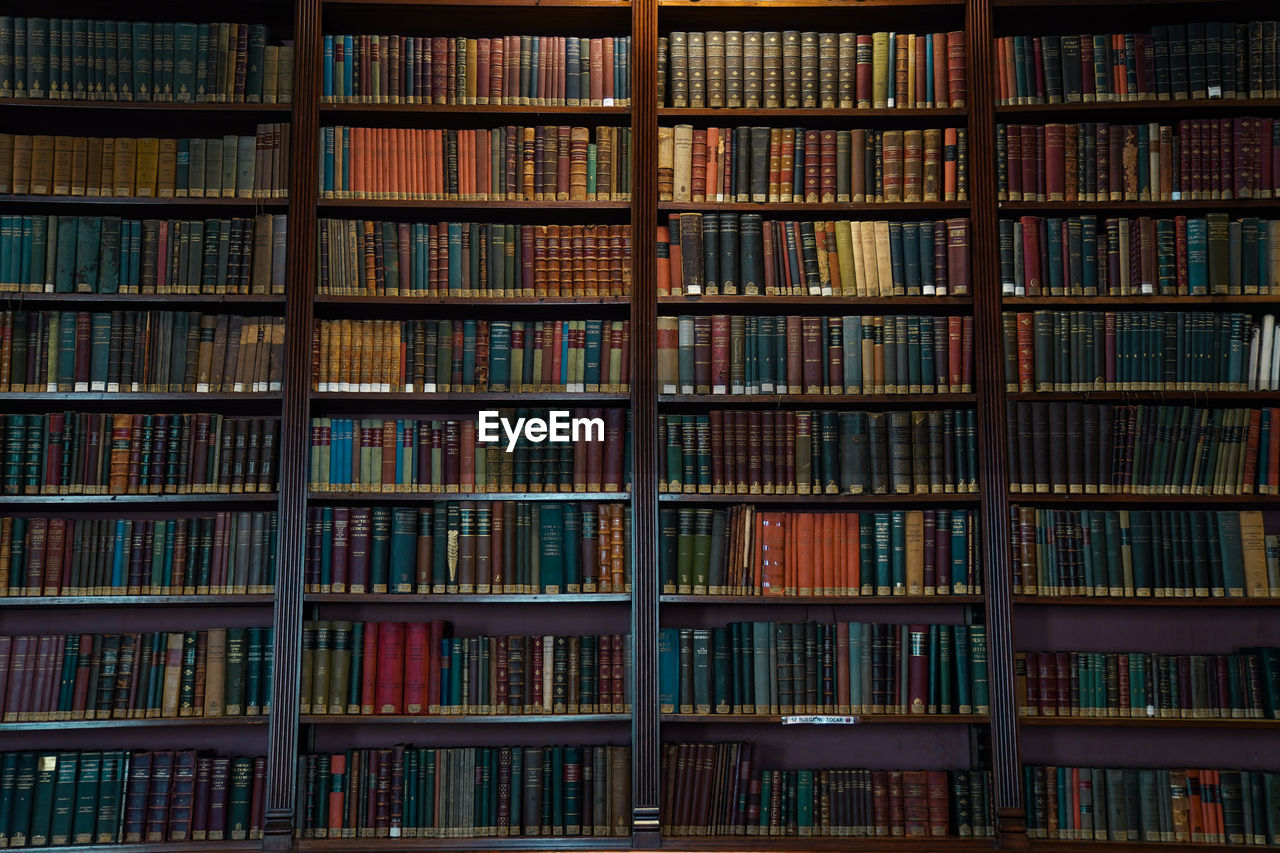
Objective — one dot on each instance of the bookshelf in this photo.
(999, 741)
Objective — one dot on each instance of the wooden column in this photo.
(645, 735)
(989, 369)
(295, 427)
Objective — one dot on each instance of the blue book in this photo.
(573, 72)
(927, 272)
(1197, 256)
(929, 94)
(668, 670)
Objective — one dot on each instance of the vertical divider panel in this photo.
(295, 428)
(645, 735)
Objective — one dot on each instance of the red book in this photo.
(389, 685)
(369, 668)
(416, 667)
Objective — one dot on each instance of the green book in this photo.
(64, 798)
(234, 678)
(185, 39)
(979, 669)
(701, 671)
(114, 771)
(240, 798)
(551, 547)
(42, 798)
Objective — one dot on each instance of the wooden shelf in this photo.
(219, 497)
(462, 598)
(503, 399)
(806, 211)
(36, 601)
(863, 719)
(434, 497)
(151, 723)
(1238, 397)
(253, 846)
(1041, 845)
(1168, 501)
(820, 600)
(898, 401)
(801, 4)
(582, 4)
(340, 109)
(144, 106)
(826, 304)
(129, 398)
(1207, 603)
(1108, 207)
(27, 201)
(811, 500)
(558, 842)
(557, 302)
(36, 300)
(1171, 303)
(1151, 722)
(459, 719)
(737, 114)
(818, 842)
(1233, 106)
(444, 205)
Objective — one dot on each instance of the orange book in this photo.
(950, 139)
(1195, 807)
(852, 563)
(768, 566)
(805, 531)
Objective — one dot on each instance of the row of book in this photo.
(243, 167)
(1197, 60)
(744, 550)
(1197, 806)
(1150, 685)
(465, 356)
(735, 254)
(1139, 256)
(160, 61)
(1140, 351)
(1144, 553)
(415, 668)
(722, 789)
(791, 668)
(227, 553)
(809, 70)
(115, 796)
(407, 791)
(808, 166)
(542, 163)
(723, 354)
(586, 450)
(151, 351)
(818, 452)
(1194, 160)
(469, 547)
(1072, 448)
(213, 673)
(96, 453)
(107, 254)
(540, 71)
(469, 259)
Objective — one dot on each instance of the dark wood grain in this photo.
(1206, 604)
(810, 500)
(668, 305)
(817, 600)
(737, 401)
(98, 501)
(1152, 722)
(459, 598)
(863, 719)
(1106, 208)
(54, 601)
(1171, 303)
(1152, 396)
(806, 211)
(1166, 501)
(256, 110)
(461, 719)
(1237, 106)
(433, 497)
(151, 723)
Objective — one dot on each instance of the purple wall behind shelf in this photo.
(334, 738)
(1172, 630)
(469, 620)
(113, 620)
(781, 610)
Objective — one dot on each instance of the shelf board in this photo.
(39, 299)
(144, 106)
(800, 4)
(434, 497)
(37, 601)
(476, 301)
(1080, 499)
(1129, 107)
(118, 398)
(880, 719)
(519, 842)
(459, 719)
(817, 842)
(588, 4)
(216, 497)
(707, 304)
(497, 204)
(811, 500)
(133, 201)
(1170, 302)
(808, 210)
(253, 846)
(461, 598)
(504, 399)
(390, 109)
(912, 114)
(1207, 603)
(1041, 845)
(776, 400)
(811, 600)
(1240, 397)
(153, 722)
(1107, 207)
(1150, 722)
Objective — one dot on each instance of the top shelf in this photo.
(1127, 107)
(603, 4)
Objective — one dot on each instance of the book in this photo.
(724, 354)
(741, 254)
(133, 676)
(511, 163)
(415, 669)
(817, 452)
(486, 71)
(803, 166)
(473, 259)
(747, 550)
(469, 547)
(728, 789)
(472, 356)
(781, 668)
(737, 69)
(96, 453)
(224, 553)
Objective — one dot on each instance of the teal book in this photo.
(404, 544)
(573, 524)
(1197, 256)
(88, 250)
(124, 61)
(185, 41)
(979, 671)
(42, 798)
(898, 537)
(64, 798)
(551, 543)
(38, 241)
(883, 554)
(108, 279)
(500, 355)
(256, 63)
(84, 821)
